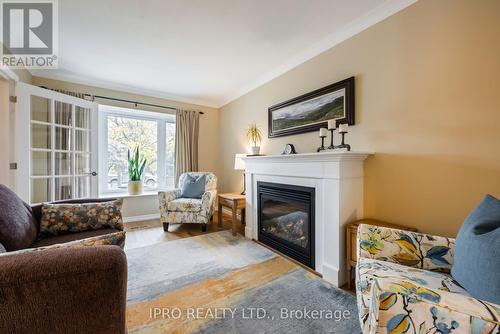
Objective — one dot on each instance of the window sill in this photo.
(127, 195)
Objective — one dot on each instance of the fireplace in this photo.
(337, 178)
(286, 220)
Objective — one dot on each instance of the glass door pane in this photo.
(63, 113)
(63, 163)
(41, 190)
(82, 163)
(40, 109)
(41, 163)
(82, 117)
(63, 139)
(82, 141)
(41, 136)
(82, 187)
(63, 188)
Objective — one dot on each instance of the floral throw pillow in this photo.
(111, 239)
(69, 218)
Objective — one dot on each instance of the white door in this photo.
(55, 145)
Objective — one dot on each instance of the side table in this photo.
(235, 202)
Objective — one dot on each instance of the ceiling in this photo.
(207, 52)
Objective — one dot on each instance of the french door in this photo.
(55, 145)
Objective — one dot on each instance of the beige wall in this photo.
(208, 138)
(427, 102)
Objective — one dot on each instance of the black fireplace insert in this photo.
(286, 220)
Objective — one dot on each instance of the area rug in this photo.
(220, 283)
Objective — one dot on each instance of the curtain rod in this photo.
(136, 103)
(129, 101)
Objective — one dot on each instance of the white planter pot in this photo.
(135, 187)
(255, 150)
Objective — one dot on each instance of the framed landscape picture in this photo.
(313, 110)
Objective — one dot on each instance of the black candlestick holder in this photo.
(331, 147)
(322, 148)
(343, 144)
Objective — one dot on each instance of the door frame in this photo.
(23, 134)
(12, 78)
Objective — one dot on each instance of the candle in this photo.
(323, 132)
(343, 127)
(331, 124)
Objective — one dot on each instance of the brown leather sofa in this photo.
(64, 290)
(59, 290)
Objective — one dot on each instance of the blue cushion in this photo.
(193, 187)
(476, 264)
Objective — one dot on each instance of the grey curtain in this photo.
(186, 142)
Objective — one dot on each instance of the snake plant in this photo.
(135, 165)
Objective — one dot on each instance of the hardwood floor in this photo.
(140, 234)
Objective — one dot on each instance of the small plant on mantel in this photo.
(136, 167)
(254, 135)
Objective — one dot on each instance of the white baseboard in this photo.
(152, 216)
(333, 275)
(133, 219)
(248, 232)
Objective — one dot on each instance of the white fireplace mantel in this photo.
(337, 178)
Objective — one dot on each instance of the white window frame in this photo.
(160, 118)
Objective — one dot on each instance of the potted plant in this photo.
(254, 135)
(136, 167)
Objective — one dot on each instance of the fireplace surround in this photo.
(337, 180)
(286, 219)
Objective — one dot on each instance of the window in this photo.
(122, 130)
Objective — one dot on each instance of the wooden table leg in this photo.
(219, 214)
(234, 218)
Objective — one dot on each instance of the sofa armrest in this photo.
(66, 290)
(395, 303)
(164, 197)
(167, 196)
(412, 249)
(208, 202)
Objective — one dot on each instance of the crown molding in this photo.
(388, 8)
(8, 74)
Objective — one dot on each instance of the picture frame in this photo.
(311, 111)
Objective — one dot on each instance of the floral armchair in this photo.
(177, 210)
(403, 285)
